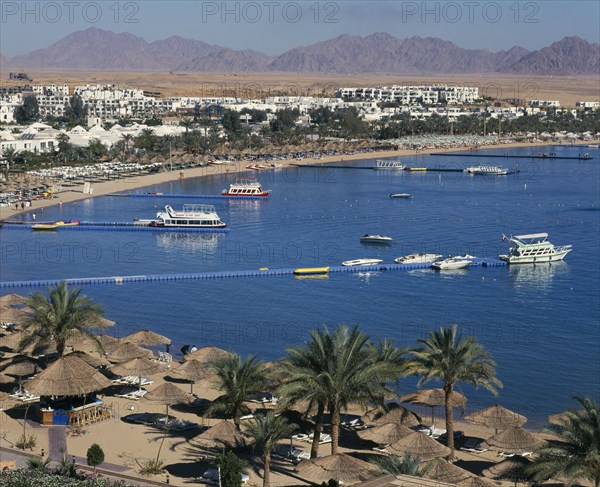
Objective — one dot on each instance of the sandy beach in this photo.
(74, 194)
(127, 445)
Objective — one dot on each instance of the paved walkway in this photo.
(57, 442)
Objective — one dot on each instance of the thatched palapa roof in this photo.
(67, 376)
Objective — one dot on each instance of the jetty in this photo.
(297, 273)
(113, 226)
(584, 157)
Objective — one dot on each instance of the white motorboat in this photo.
(487, 170)
(197, 216)
(361, 262)
(388, 165)
(246, 187)
(417, 258)
(533, 249)
(451, 263)
(378, 239)
(400, 195)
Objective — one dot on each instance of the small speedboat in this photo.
(361, 262)
(378, 239)
(44, 227)
(400, 195)
(67, 223)
(451, 263)
(417, 258)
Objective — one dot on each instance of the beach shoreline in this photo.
(72, 196)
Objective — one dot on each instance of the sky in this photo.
(275, 26)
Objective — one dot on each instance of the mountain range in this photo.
(382, 53)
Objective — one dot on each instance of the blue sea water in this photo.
(540, 323)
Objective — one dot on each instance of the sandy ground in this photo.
(128, 444)
(567, 89)
(73, 194)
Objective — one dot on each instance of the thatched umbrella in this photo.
(341, 467)
(19, 366)
(558, 419)
(497, 417)
(434, 397)
(191, 370)
(95, 362)
(385, 434)
(12, 315)
(476, 481)
(444, 471)
(207, 354)
(167, 394)
(41, 347)
(5, 379)
(127, 351)
(514, 469)
(3, 397)
(421, 445)
(514, 440)
(147, 337)
(68, 376)
(136, 366)
(395, 414)
(108, 343)
(223, 434)
(12, 299)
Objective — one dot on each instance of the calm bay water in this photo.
(541, 323)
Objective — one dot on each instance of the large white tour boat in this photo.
(487, 170)
(533, 249)
(197, 216)
(246, 187)
(389, 165)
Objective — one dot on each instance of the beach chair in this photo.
(381, 449)
(473, 445)
(435, 433)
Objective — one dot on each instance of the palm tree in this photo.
(64, 315)
(9, 154)
(407, 465)
(449, 357)
(336, 369)
(238, 381)
(302, 382)
(267, 430)
(577, 455)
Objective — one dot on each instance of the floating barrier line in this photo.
(510, 156)
(81, 281)
(187, 196)
(117, 227)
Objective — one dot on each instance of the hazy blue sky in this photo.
(276, 26)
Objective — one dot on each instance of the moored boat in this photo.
(361, 262)
(451, 263)
(192, 216)
(533, 249)
(44, 227)
(383, 164)
(67, 223)
(378, 239)
(487, 170)
(417, 258)
(246, 187)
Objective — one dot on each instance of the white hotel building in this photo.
(409, 95)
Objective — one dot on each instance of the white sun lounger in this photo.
(473, 445)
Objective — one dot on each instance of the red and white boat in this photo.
(246, 187)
